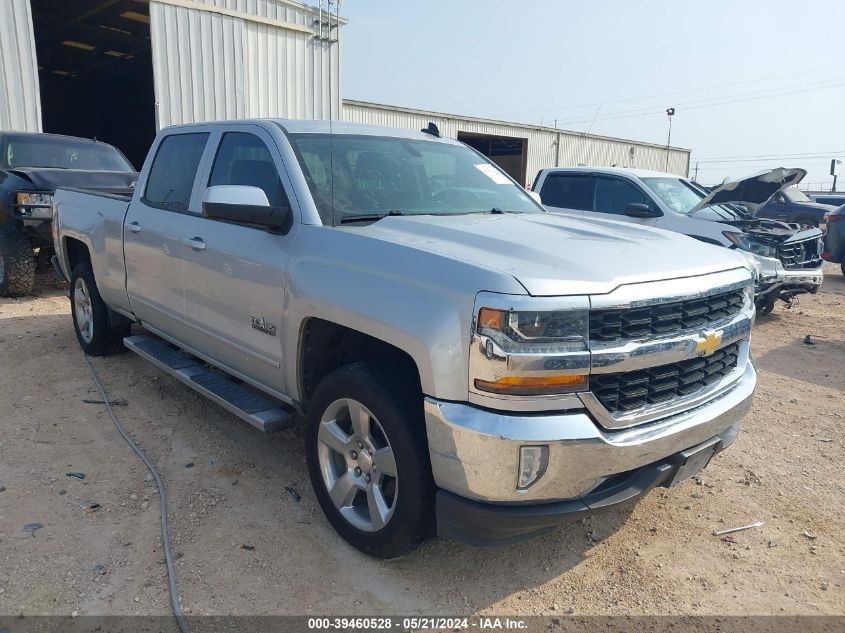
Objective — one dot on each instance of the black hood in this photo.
(49, 179)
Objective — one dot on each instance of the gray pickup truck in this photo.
(467, 364)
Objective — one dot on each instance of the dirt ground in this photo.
(228, 487)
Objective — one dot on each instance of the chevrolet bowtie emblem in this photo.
(709, 344)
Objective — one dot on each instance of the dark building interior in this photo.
(95, 71)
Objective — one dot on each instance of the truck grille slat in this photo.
(627, 391)
(664, 319)
(797, 255)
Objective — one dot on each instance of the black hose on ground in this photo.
(162, 496)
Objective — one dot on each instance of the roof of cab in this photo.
(630, 171)
(309, 126)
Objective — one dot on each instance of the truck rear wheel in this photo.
(17, 263)
(97, 333)
(368, 460)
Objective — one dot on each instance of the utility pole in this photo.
(670, 112)
(696, 171)
(834, 171)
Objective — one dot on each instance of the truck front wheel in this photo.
(17, 263)
(97, 333)
(368, 460)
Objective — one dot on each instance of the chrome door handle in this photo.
(134, 227)
(195, 243)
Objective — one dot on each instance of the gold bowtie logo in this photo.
(709, 344)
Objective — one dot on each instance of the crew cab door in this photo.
(234, 274)
(153, 232)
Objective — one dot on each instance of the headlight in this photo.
(746, 243)
(534, 331)
(36, 206)
(28, 199)
(530, 353)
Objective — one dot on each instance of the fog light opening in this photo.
(533, 461)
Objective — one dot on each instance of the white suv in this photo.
(787, 257)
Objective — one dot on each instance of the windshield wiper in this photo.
(498, 211)
(369, 217)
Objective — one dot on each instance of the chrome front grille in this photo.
(666, 318)
(628, 391)
(797, 255)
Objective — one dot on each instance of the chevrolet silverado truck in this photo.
(31, 167)
(467, 364)
(786, 257)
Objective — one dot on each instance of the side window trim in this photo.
(204, 171)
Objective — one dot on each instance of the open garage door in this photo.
(507, 152)
(95, 71)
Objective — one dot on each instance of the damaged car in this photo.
(786, 256)
(32, 166)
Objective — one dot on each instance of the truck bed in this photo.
(94, 218)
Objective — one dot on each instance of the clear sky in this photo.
(779, 65)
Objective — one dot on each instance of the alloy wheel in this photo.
(357, 464)
(83, 310)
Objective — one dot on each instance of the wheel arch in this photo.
(75, 252)
(325, 346)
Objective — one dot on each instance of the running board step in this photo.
(261, 412)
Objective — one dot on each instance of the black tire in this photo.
(17, 263)
(765, 307)
(107, 334)
(397, 406)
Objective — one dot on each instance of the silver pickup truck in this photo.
(466, 363)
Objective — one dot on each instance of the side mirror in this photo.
(536, 197)
(639, 210)
(241, 204)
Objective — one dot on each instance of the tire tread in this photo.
(19, 263)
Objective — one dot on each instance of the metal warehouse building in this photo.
(522, 150)
(119, 70)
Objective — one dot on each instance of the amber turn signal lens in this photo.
(489, 318)
(533, 385)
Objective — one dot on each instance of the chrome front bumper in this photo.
(475, 452)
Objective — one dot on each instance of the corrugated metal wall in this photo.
(20, 97)
(542, 142)
(209, 66)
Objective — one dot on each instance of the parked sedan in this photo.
(834, 239)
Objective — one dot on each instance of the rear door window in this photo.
(569, 191)
(243, 159)
(174, 170)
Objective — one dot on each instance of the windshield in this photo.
(675, 193)
(354, 176)
(795, 195)
(34, 150)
